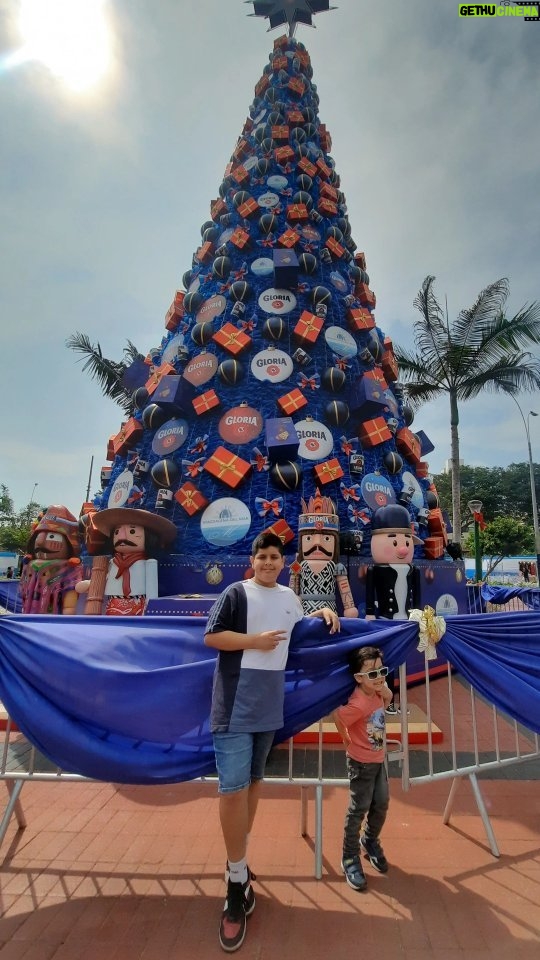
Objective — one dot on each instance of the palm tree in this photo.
(108, 373)
(482, 350)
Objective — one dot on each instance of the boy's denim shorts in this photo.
(241, 758)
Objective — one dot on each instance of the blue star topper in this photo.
(291, 12)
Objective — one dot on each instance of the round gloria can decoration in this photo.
(225, 521)
(165, 473)
(316, 441)
(201, 368)
(276, 301)
(240, 424)
(170, 436)
(120, 489)
(272, 365)
(286, 475)
(377, 491)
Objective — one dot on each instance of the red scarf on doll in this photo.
(124, 563)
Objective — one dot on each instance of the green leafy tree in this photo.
(15, 527)
(483, 349)
(504, 491)
(502, 537)
(108, 373)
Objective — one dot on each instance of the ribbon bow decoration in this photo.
(259, 460)
(348, 445)
(356, 514)
(313, 382)
(353, 492)
(265, 506)
(431, 629)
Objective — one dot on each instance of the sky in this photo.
(435, 122)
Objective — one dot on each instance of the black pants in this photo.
(369, 798)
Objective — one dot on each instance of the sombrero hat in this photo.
(107, 520)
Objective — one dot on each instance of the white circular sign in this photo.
(316, 441)
(251, 162)
(409, 480)
(121, 489)
(341, 342)
(225, 521)
(262, 267)
(272, 365)
(277, 302)
(446, 606)
(171, 351)
(277, 182)
(268, 200)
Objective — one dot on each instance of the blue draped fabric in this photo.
(9, 596)
(127, 699)
(477, 597)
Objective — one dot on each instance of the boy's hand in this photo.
(342, 730)
(269, 639)
(331, 619)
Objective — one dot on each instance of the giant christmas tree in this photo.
(273, 379)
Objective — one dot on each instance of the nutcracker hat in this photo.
(107, 520)
(58, 519)
(392, 518)
(319, 514)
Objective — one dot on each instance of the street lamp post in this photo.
(475, 506)
(31, 501)
(531, 413)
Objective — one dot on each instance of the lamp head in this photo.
(475, 506)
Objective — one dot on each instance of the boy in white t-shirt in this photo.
(250, 625)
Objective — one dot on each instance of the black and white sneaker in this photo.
(354, 875)
(375, 854)
(240, 903)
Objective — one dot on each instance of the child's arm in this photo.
(387, 695)
(341, 728)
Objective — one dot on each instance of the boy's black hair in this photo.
(265, 540)
(358, 657)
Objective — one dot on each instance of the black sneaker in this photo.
(354, 875)
(375, 854)
(239, 904)
(250, 893)
(391, 709)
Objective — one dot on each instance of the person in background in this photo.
(250, 626)
(9, 573)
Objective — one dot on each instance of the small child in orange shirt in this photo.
(361, 724)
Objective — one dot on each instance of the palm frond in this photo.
(513, 373)
(431, 331)
(489, 303)
(108, 373)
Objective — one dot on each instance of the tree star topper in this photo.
(289, 11)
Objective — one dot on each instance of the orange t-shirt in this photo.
(364, 718)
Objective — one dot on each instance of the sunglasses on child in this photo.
(374, 674)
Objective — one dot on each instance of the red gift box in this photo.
(366, 296)
(328, 471)
(165, 370)
(248, 208)
(217, 208)
(335, 247)
(297, 86)
(327, 207)
(205, 252)
(308, 327)
(360, 260)
(228, 169)
(436, 524)
(330, 192)
(306, 166)
(282, 529)
(389, 365)
(360, 319)
(190, 498)
(323, 168)
(240, 238)
(295, 116)
(433, 547)
(205, 402)
(228, 467)
(280, 132)
(289, 239)
(422, 469)
(232, 339)
(376, 374)
(241, 149)
(262, 85)
(373, 432)
(303, 57)
(248, 125)
(280, 63)
(325, 138)
(388, 345)
(282, 42)
(240, 175)
(128, 436)
(175, 313)
(283, 155)
(110, 449)
(291, 402)
(408, 444)
(297, 212)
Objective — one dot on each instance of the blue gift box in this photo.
(367, 398)
(282, 440)
(285, 268)
(426, 445)
(174, 394)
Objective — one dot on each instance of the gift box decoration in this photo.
(360, 319)
(422, 469)
(227, 467)
(436, 524)
(327, 207)
(360, 260)
(127, 437)
(335, 248)
(324, 170)
(282, 42)
(157, 375)
(280, 132)
(408, 444)
(217, 208)
(282, 529)
(242, 149)
(297, 213)
(288, 239)
(205, 402)
(325, 138)
(426, 445)
(110, 449)
(330, 192)
(367, 398)
(290, 402)
(190, 498)
(262, 85)
(328, 471)
(240, 238)
(176, 311)
(285, 268)
(205, 252)
(248, 125)
(308, 327)
(297, 86)
(295, 116)
(232, 339)
(281, 439)
(283, 155)
(279, 63)
(248, 208)
(373, 432)
(433, 547)
(306, 166)
(389, 365)
(366, 296)
(376, 374)
(173, 393)
(240, 175)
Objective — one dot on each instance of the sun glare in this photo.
(71, 38)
